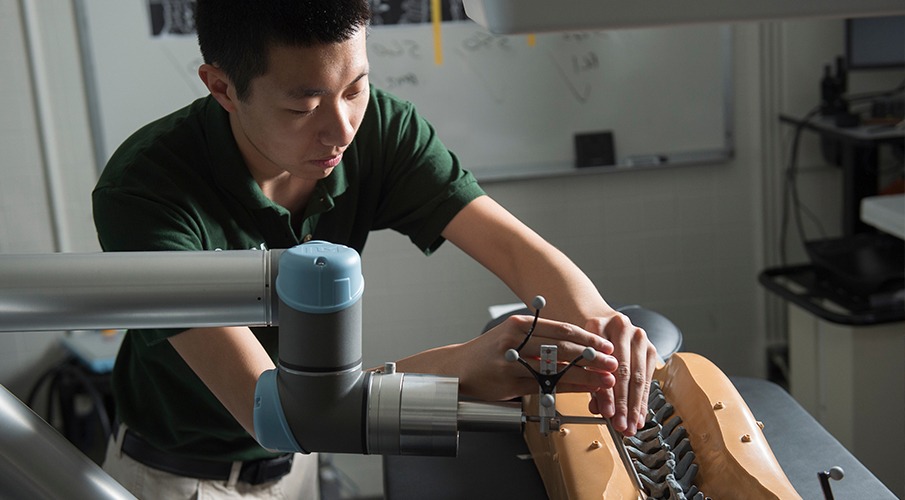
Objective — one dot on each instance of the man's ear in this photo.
(219, 85)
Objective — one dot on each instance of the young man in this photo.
(292, 145)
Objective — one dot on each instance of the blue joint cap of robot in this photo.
(320, 277)
(271, 427)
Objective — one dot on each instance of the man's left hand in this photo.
(626, 403)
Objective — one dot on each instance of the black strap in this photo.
(252, 472)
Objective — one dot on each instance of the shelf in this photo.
(809, 288)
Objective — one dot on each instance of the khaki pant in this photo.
(148, 483)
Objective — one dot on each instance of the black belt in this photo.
(252, 472)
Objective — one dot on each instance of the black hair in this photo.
(236, 35)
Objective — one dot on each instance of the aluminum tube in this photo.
(74, 291)
(427, 415)
(36, 461)
(490, 417)
(412, 414)
(384, 394)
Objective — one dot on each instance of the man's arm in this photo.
(229, 361)
(530, 266)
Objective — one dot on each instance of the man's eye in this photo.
(300, 112)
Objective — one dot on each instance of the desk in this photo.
(497, 465)
(856, 152)
(807, 287)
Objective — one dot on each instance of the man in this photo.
(292, 145)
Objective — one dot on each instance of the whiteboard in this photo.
(501, 103)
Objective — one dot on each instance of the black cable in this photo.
(96, 399)
(790, 193)
(54, 387)
(531, 330)
(39, 383)
(68, 367)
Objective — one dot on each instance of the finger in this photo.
(567, 332)
(616, 331)
(653, 358)
(602, 402)
(597, 384)
(568, 353)
(639, 381)
(589, 375)
(577, 378)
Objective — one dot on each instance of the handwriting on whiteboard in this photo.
(573, 58)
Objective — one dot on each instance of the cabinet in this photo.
(852, 380)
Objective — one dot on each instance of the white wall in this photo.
(45, 154)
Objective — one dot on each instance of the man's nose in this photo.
(338, 127)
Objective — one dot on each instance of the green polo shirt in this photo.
(180, 183)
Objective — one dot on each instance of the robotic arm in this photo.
(319, 398)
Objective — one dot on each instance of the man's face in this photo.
(301, 115)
